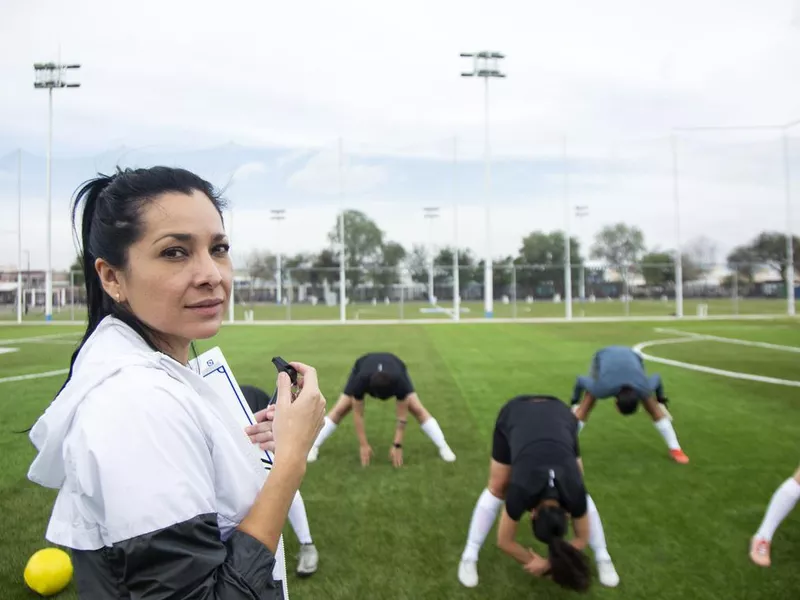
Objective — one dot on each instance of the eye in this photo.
(222, 249)
(174, 252)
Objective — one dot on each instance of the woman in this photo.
(783, 501)
(160, 492)
(536, 466)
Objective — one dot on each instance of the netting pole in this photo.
(678, 253)
(790, 309)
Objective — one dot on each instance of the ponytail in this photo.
(569, 566)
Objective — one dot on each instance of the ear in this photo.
(109, 279)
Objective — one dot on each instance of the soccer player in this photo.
(308, 558)
(780, 505)
(382, 375)
(618, 371)
(536, 466)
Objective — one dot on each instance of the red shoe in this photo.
(679, 456)
(759, 552)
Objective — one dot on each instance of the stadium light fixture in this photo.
(787, 178)
(485, 64)
(51, 76)
(278, 215)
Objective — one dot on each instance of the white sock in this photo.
(483, 517)
(433, 431)
(327, 429)
(581, 425)
(299, 519)
(781, 504)
(664, 426)
(597, 537)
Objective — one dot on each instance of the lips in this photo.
(206, 303)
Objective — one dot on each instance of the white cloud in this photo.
(322, 174)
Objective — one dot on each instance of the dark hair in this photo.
(569, 566)
(380, 382)
(627, 401)
(111, 222)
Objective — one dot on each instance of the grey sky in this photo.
(613, 76)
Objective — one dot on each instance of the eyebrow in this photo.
(188, 237)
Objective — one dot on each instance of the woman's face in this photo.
(178, 276)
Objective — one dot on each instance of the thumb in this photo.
(284, 390)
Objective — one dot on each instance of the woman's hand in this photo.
(297, 423)
(261, 433)
(396, 456)
(366, 453)
(537, 566)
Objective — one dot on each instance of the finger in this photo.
(261, 415)
(268, 446)
(309, 374)
(264, 436)
(284, 390)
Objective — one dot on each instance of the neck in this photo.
(177, 349)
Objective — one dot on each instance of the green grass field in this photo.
(674, 531)
(366, 311)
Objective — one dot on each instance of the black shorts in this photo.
(522, 423)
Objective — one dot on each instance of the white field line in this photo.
(40, 338)
(692, 367)
(33, 376)
(726, 340)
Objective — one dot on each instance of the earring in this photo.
(117, 296)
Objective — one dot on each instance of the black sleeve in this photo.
(578, 505)
(404, 386)
(515, 502)
(357, 383)
(186, 560)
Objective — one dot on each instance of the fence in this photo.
(519, 291)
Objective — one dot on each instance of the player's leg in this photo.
(484, 516)
(780, 505)
(308, 557)
(430, 427)
(665, 428)
(606, 572)
(343, 406)
(583, 408)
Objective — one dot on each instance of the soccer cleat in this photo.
(312, 454)
(679, 456)
(307, 560)
(607, 574)
(447, 454)
(468, 573)
(759, 552)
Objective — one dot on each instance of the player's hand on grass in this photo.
(537, 566)
(261, 433)
(366, 453)
(396, 456)
(297, 424)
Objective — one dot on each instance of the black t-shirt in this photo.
(257, 398)
(539, 439)
(358, 384)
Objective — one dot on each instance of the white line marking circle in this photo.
(692, 367)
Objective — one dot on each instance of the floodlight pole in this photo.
(50, 76)
(431, 213)
(456, 268)
(485, 65)
(19, 235)
(582, 211)
(342, 269)
(567, 239)
(278, 215)
(790, 274)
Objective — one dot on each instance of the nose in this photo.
(208, 271)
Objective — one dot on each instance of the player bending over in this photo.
(381, 375)
(780, 505)
(619, 371)
(536, 466)
(308, 557)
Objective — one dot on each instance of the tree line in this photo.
(374, 259)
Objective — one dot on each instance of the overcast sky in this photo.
(263, 91)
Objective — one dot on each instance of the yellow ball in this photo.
(48, 571)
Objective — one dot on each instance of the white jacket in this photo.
(137, 442)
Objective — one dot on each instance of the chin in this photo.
(201, 331)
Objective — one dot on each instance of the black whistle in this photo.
(283, 367)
